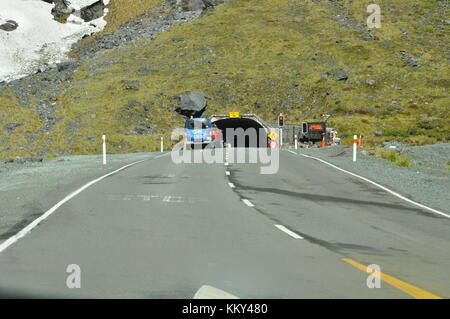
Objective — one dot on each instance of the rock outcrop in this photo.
(62, 10)
(93, 11)
(192, 103)
(8, 25)
(191, 5)
(337, 75)
(197, 5)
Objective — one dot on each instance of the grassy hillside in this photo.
(263, 56)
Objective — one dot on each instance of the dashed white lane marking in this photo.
(226, 164)
(291, 152)
(248, 203)
(231, 185)
(227, 173)
(379, 186)
(11, 240)
(289, 232)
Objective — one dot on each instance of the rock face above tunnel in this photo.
(192, 103)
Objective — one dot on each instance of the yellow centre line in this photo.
(414, 291)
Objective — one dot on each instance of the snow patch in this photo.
(39, 40)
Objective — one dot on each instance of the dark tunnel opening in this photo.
(252, 134)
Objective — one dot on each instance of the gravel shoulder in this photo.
(29, 189)
(427, 185)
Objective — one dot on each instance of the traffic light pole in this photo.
(280, 125)
(281, 137)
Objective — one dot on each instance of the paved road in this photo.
(161, 230)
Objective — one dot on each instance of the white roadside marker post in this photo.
(162, 144)
(104, 149)
(295, 141)
(355, 147)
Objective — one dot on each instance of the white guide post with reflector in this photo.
(162, 144)
(104, 149)
(355, 147)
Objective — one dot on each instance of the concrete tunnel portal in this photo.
(251, 138)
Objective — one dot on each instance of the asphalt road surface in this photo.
(162, 230)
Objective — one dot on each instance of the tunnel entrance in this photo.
(249, 136)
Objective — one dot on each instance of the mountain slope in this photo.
(302, 58)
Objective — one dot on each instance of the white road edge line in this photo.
(248, 203)
(231, 185)
(289, 232)
(11, 240)
(379, 186)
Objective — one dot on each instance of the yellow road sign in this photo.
(273, 136)
(234, 115)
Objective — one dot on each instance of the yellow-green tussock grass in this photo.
(394, 157)
(266, 57)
